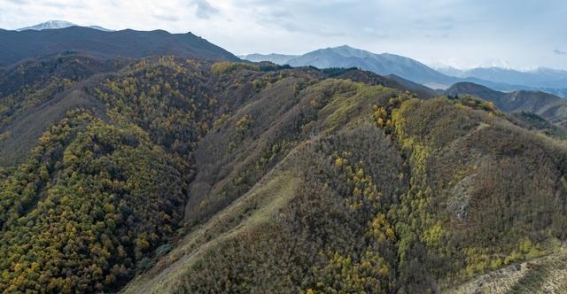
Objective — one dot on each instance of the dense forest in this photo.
(191, 176)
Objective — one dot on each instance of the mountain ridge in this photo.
(407, 68)
(18, 46)
(553, 81)
(383, 64)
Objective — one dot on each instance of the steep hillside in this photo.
(17, 46)
(383, 198)
(111, 170)
(550, 107)
(191, 176)
(539, 275)
(106, 182)
(532, 121)
(38, 93)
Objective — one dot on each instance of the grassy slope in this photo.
(254, 208)
(540, 275)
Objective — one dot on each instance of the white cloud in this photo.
(204, 9)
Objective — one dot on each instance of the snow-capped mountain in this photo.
(57, 24)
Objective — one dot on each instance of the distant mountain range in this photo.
(551, 81)
(404, 71)
(345, 56)
(275, 58)
(548, 106)
(19, 45)
(58, 24)
(541, 78)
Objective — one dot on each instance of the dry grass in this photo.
(542, 275)
(258, 206)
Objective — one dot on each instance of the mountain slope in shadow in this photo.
(16, 46)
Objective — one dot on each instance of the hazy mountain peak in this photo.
(383, 64)
(439, 77)
(57, 24)
(347, 51)
(347, 48)
(273, 57)
(48, 25)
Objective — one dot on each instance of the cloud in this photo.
(65, 4)
(435, 24)
(289, 22)
(559, 52)
(204, 9)
(166, 17)
(115, 3)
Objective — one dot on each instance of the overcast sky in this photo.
(464, 33)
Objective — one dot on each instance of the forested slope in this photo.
(105, 185)
(192, 176)
(392, 194)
